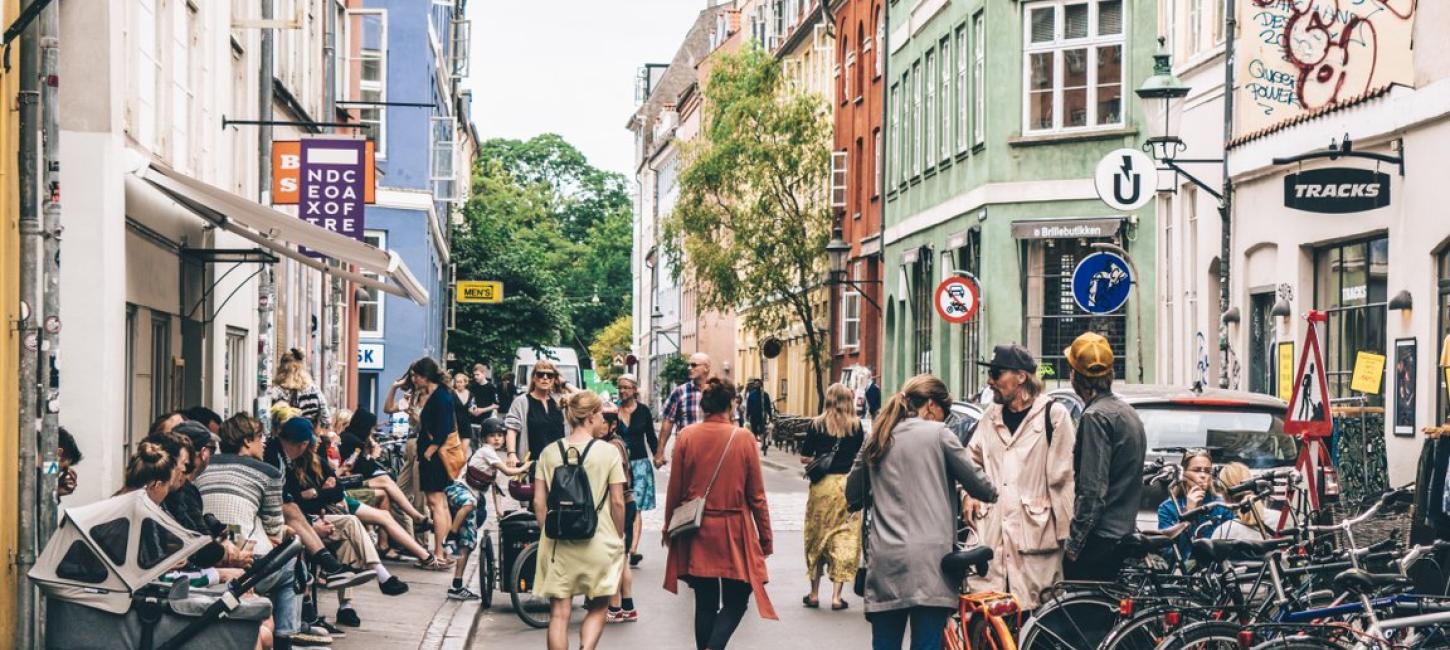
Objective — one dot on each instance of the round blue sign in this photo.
(1100, 283)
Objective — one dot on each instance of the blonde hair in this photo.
(1234, 474)
(838, 419)
(1033, 384)
(341, 419)
(581, 406)
(292, 371)
(544, 364)
(915, 395)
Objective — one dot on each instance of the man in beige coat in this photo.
(1024, 442)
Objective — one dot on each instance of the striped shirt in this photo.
(683, 406)
(243, 492)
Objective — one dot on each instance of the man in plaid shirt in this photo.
(682, 408)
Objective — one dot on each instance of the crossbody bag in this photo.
(688, 516)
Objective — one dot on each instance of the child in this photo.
(487, 466)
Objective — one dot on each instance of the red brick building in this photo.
(860, 95)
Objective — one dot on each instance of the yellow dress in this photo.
(589, 567)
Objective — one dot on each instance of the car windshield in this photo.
(1255, 438)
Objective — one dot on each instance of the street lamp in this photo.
(1168, 91)
(837, 251)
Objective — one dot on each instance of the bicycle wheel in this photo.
(1145, 629)
(1205, 635)
(1310, 643)
(533, 610)
(1074, 622)
(487, 571)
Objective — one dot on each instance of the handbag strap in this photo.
(724, 452)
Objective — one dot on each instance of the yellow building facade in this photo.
(9, 340)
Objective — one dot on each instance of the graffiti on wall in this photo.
(1298, 56)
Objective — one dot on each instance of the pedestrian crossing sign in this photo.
(1309, 415)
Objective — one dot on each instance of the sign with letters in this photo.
(480, 292)
(287, 173)
(332, 185)
(370, 356)
(1337, 190)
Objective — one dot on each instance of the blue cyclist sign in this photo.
(1100, 283)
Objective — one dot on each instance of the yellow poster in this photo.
(1286, 370)
(1369, 369)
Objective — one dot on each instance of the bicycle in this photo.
(980, 621)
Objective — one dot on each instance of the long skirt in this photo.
(833, 535)
(643, 470)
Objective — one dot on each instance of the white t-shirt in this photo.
(487, 459)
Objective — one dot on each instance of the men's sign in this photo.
(957, 300)
(480, 292)
(1337, 190)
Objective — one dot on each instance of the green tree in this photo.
(616, 338)
(750, 227)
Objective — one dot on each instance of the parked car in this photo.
(1235, 426)
(566, 359)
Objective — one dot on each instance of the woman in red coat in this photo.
(724, 560)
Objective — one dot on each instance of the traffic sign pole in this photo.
(1137, 299)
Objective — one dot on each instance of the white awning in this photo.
(157, 185)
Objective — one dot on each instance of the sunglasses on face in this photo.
(545, 375)
(996, 373)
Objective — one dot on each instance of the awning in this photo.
(156, 186)
(1094, 228)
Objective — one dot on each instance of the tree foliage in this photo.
(557, 232)
(615, 338)
(750, 227)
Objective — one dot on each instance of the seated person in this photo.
(1256, 522)
(1195, 489)
(360, 456)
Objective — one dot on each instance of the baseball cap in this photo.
(1011, 356)
(197, 432)
(1090, 355)
(298, 429)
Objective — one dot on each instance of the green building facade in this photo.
(998, 112)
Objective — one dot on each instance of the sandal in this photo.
(836, 607)
(433, 563)
(811, 604)
(390, 555)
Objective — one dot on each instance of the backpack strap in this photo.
(1047, 419)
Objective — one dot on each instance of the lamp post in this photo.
(1162, 95)
(837, 250)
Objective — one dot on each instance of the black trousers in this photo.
(720, 603)
(1099, 560)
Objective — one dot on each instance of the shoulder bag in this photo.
(688, 516)
(821, 463)
(450, 453)
(859, 585)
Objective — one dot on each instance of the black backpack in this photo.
(572, 512)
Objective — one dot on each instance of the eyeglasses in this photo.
(694, 365)
(545, 375)
(996, 373)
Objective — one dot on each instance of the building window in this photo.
(877, 163)
(851, 312)
(848, 80)
(444, 175)
(370, 309)
(856, 77)
(963, 115)
(160, 363)
(945, 111)
(1262, 348)
(929, 110)
(969, 259)
(894, 165)
(234, 374)
(368, 50)
(923, 311)
(1073, 65)
(1351, 280)
(1054, 319)
(880, 44)
(917, 151)
(979, 79)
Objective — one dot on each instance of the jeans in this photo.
(719, 605)
(888, 629)
(281, 589)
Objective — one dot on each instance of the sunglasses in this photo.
(694, 365)
(996, 373)
(545, 375)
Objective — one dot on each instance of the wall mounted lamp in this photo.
(1402, 301)
(1281, 309)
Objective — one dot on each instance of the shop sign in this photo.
(370, 356)
(287, 173)
(480, 292)
(1337, 190)
(333, 174)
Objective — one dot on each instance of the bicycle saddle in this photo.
(1170, 532)
(1219, 550)
(1361, 581)
(1141, 545)
(957, 563)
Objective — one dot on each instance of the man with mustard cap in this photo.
(1108, 464)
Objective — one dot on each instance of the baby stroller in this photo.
(100, 573)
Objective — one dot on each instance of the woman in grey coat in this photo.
(907, 473)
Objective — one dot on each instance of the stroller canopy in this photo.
(103, 552)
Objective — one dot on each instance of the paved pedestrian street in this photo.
(666, 619)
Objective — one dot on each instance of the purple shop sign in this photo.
(332, 183)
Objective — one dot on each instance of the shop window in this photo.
(1054, 319)
(923, 313)
(112, 537)
(1350, 281)
(160, 363)
(1261, 352)
(81, 564)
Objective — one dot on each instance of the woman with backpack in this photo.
(719, 540)
(579, 502)
(294, 385)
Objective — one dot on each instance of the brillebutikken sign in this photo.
(1337, 190)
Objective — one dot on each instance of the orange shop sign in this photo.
(287, 172)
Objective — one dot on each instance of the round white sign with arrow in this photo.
(1126, 179)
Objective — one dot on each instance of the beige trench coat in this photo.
(1028, 526)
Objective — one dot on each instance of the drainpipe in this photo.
(880, 361)
(50, 276)
(267, 284)
(1225, 205)
(30, 245)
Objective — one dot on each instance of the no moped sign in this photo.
(957, 300)
(333, 172)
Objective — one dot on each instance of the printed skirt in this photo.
(643, 470)
(833, 534)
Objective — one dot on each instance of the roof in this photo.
(1301, 118)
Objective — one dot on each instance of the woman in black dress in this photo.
(435, 422)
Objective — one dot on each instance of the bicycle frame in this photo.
(991, 608)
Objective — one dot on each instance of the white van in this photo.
(566, 359)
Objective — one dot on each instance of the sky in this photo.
(568, 67)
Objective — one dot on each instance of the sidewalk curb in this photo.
(768, 462)
(452, 627)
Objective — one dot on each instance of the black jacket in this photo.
(1108, 462)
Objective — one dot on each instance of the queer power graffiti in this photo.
(1303, 55)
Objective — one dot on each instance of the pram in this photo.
(100, 573)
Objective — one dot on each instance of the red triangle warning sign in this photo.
(1309, 414)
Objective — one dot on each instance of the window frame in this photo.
(929, 108)
(440, 124)
(1091, 44)
(877, 163)
(880, 44)
(946, 107)
(378, 239)
(917, 151)
(963, 102)
(893, 164)
(923, 311)
(1339, 367)
(979, 78)
(379, 86)
(850, 338)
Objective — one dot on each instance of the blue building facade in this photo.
(419, 163)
